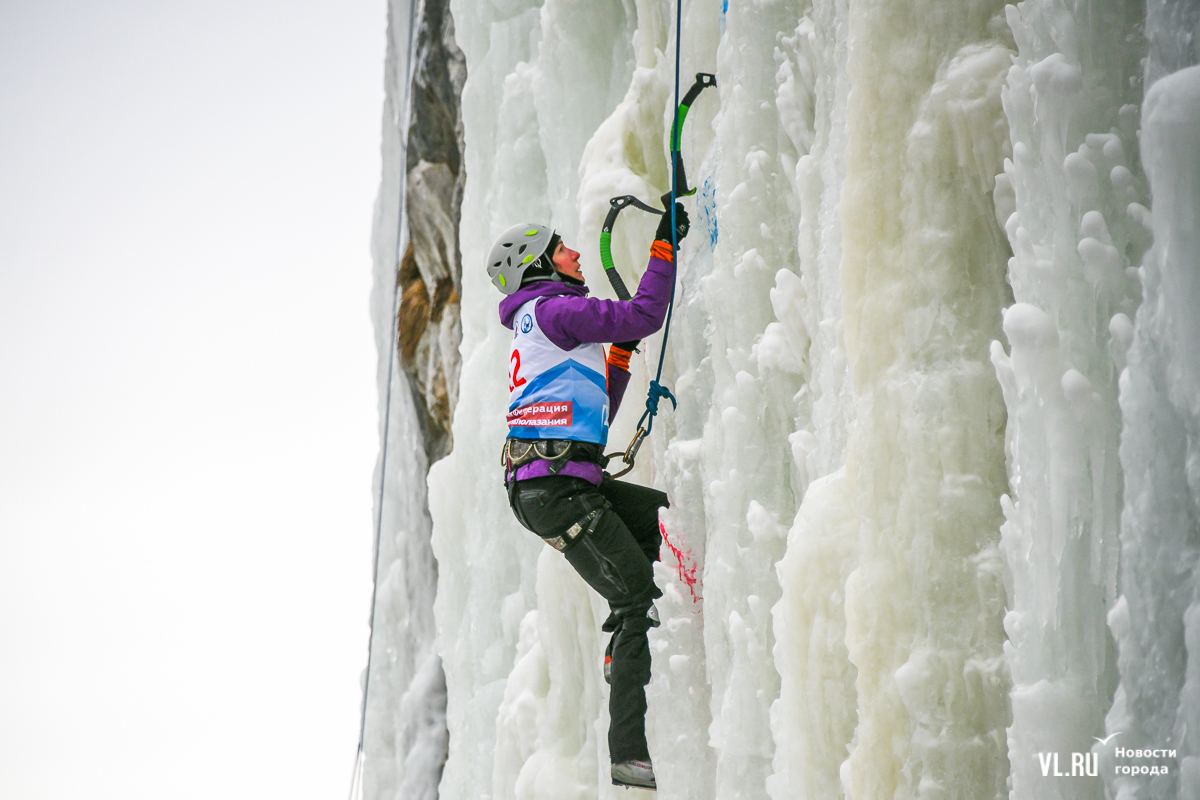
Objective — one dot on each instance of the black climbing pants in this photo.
(609, 534)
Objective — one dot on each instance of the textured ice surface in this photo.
(1067, 189)
(405, 727)
(768, 389)
(519, 636)
(891, 562)
(1157, 620)
(922, 280)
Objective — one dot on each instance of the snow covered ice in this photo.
(935, 468)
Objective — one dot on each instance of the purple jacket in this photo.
(570, 318)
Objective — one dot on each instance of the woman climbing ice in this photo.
(564, 391)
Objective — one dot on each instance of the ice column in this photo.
(813, 720)
(405, 736)
(517, 630)
(922, 289)
(755, 355)
(1172, 37)
(627, 154)
(812, 95)
(1157, 619)
(1068, 200)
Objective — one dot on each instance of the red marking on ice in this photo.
(685, 567)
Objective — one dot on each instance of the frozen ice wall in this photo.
(883, 621)
(518, 632)
(1071, 202)
(1157, 618)
(415, 309)
(904, 440)
(922, 278)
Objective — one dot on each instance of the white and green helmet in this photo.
(517, 249)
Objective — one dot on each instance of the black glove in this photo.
(663, 234)
(628, 347)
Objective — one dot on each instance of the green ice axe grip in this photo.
(609, 268)
(606, 259)
(703, 81)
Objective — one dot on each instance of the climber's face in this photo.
(566, 261)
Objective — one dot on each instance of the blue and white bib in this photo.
(555, 393)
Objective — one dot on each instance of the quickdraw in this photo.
(679, 188)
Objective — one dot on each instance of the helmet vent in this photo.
(517, 256)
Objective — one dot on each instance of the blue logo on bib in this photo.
(526, 324)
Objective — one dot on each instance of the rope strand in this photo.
(356, 777)
(657, 390)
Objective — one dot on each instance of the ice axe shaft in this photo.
(678, 180)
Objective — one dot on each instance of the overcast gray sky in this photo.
(187, 401)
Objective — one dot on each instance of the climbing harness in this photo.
(519, 452)
(557, 452)
(679, 188)
(585, 525)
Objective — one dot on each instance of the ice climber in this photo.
(564, 391)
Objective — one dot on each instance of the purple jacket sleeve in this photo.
(571, 321)
(618, 380)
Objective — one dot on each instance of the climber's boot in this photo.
(634, 773)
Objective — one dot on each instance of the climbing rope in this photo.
(679, 188)
(356, 787)
(356, 778)
(657, 390)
